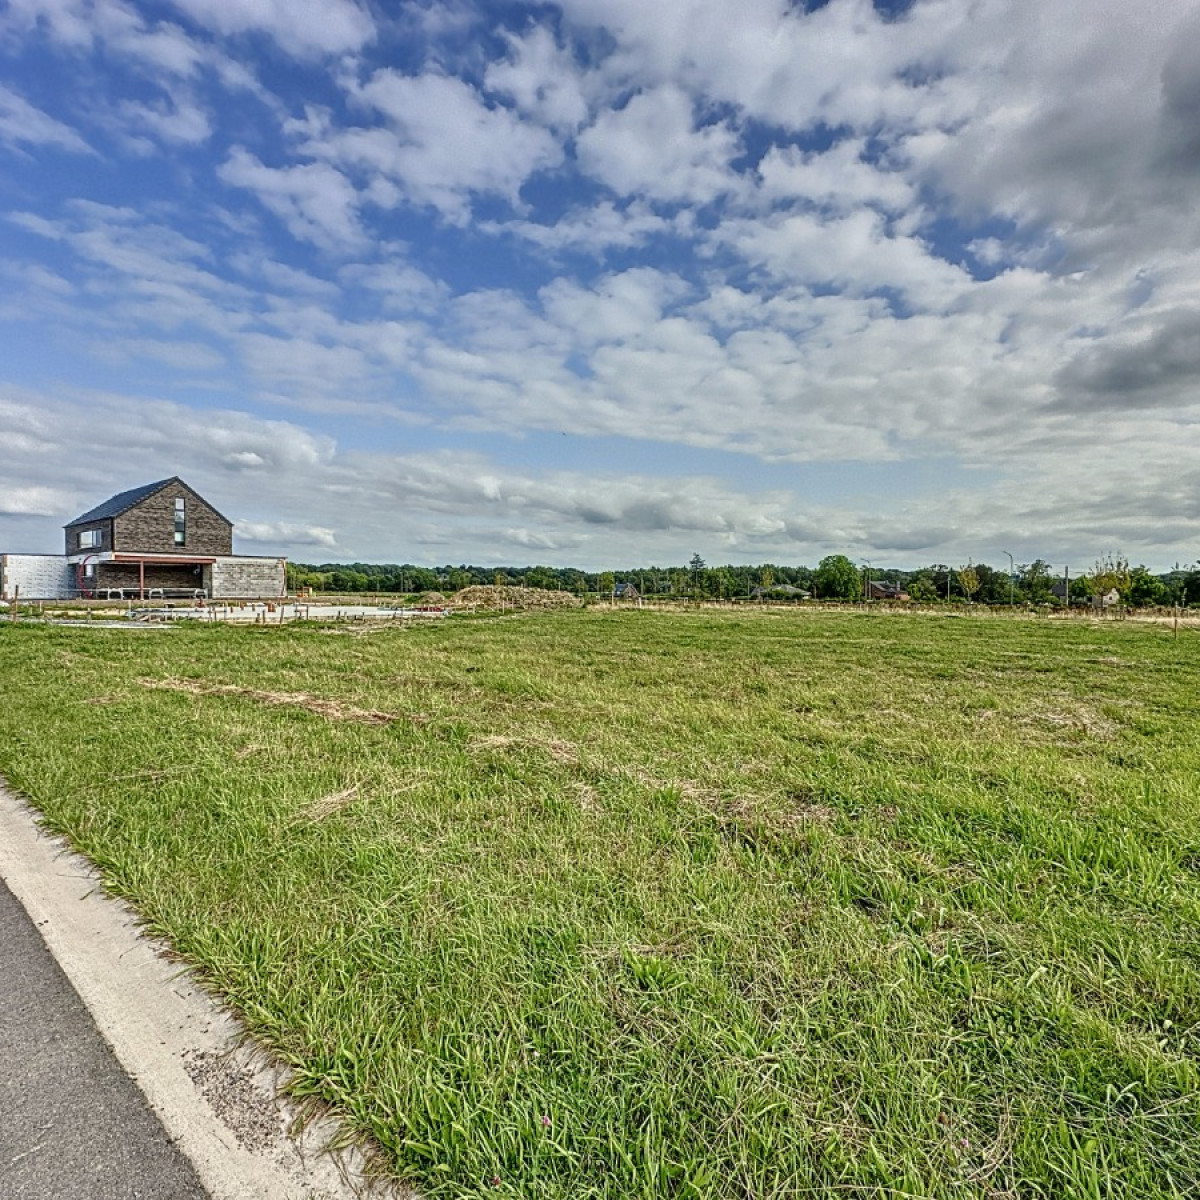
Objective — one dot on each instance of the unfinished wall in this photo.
(235, 577)
(39, 576)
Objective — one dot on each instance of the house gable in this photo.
(166, 517)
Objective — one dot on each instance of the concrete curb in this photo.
(212, 1091)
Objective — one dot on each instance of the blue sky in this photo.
(606, 282)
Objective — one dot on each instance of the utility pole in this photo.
(867, 582)
(1012, 570)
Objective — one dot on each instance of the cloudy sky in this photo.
(606, 282)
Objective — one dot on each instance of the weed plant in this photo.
(641, 905)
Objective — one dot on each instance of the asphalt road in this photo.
(73, 1126)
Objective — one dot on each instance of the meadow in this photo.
(629, 904)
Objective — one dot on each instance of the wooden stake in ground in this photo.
(16, 602)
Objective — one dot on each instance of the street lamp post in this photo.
(1012, 570)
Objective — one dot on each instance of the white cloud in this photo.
(179, 122)
(595, 230)
(857, 252)
(542, 79)
(80, 25)
(186, 356)
(291, 487)
(398, 286)
(21, 124)
(286, 533)
(771, 59)
(33, 500)
(838, 178)
(315, 201)
(302, 27)
(652, 147)
(443, 142)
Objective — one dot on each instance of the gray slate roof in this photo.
(121, 502)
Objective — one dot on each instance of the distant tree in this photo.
(541, 577)
(922, 588)
(421, 579)
(607, 583)
(346, 579)
(1146, 589)
(1111, 571)
(837, 578)
(458, 578)
(572, 580)
(768, 577)
(968, 577)
(993, 584)
(1189, 586)
(1036, 583)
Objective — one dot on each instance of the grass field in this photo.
(636, 905)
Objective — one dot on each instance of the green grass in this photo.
(637, 905)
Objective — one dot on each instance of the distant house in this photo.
(162, 540)
(626, 591)
(1106, 599)
(878, 590)
(164, 518)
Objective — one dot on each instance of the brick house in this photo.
(163, 540)
(879, 589)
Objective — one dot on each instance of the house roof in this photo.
(122, 501)
(114, 506)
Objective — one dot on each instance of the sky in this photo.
(608, 282)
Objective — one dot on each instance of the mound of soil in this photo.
(501, 599)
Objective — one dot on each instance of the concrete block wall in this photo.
(39, 576)
(235, 577)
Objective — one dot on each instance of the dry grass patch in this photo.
(1062, 712)
(332, 710)
(333, 803)
(561, 751)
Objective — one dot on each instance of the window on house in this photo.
(180, 522)
(89, 539)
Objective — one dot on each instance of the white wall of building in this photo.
(39, 577)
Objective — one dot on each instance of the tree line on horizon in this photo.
(836, 577)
